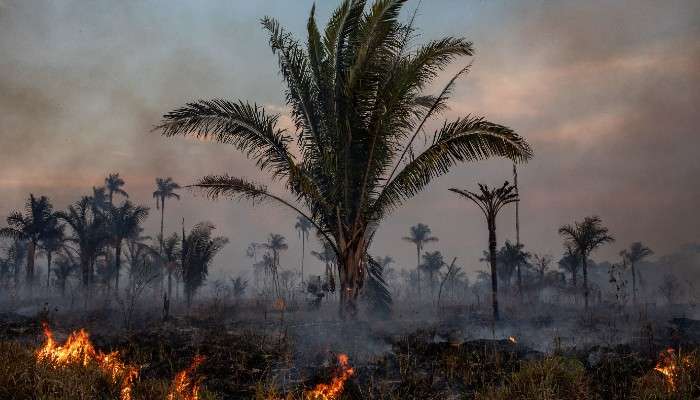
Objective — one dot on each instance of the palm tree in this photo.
(171, 254)
(123, 222)
(303, 227)
(636, 253)
(89, 233)
(100, 200)
(330, 260)
(419, 235)
(113, 184)
(584, 237)
(432, 263)
(165, 189)
(357, 95)
(198, 251)
(276, 243)
(512, 258)
(36, 224)
(490, 202)
(570, 262)
(51, 243)
(541, 262)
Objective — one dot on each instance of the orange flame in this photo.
(78, 349)
(331, 391)
(513, 339)
(185, 386)
(668, 365)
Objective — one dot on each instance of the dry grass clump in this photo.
(551, 378)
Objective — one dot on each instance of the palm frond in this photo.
(467, 139)
(248, 127)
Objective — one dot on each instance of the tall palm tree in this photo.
(89, 234)
(276, 243)
(113, 184)
(303, 227)
(584, 237)
(490, 202)
(198, 251)
(123, 221)
(419, 235)
(432, 264)
(36, 224)
(165, 189)
(357, 94)
(636, 253)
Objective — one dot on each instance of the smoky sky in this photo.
(607, 93)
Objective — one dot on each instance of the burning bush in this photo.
(676, 376)
(186, 384)
(333, 389)
(78, 350)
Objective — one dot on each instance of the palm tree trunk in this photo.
(170, 284)
(634, 284)
(303, 251)
(48, 270)
(520, 282)
(494, 272)
(585, 282)
(418, 269)
(85, 269)
(31, 251)
(162, 217)
(351, 274)
(117, 264)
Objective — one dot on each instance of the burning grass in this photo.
(188, 363)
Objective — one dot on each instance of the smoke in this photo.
(607, 92)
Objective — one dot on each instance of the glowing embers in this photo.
(669, 365)
(186, 384)
(332, 390)
(78, 350)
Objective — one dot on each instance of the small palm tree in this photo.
(541, 263)
(636, 253)
(198, 251)
(419, 235)
(570, 262)
(113, 184)
(431, 266)
(358, 98)
(165, 189)
(100, 200)
(330, 260)
(89, 234)
(123, 222)
(52, 243)
(490, 202)
(171, 254)
(303, 227)
(36, 224)
(512, 258)
(584, 237)
(276, 243)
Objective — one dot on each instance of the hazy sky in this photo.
(607, 93)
